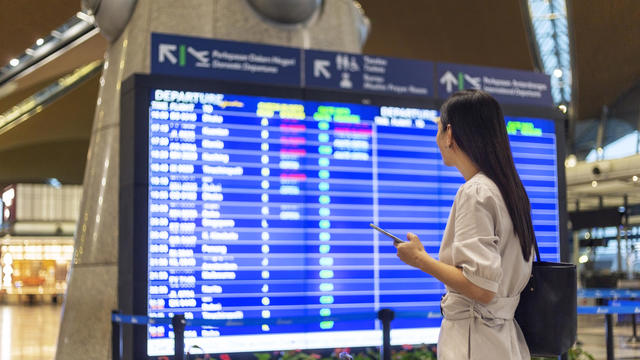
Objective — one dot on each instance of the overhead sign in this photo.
(279, 65)
(225, 60)
(331, 70)
(507, 86)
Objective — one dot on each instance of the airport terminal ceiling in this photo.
(492, 33)
(606, 51)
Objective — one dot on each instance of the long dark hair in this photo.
(478, 127)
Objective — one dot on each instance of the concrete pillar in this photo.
(85, 329)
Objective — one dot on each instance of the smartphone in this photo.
(396, 239)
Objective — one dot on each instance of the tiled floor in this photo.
(31, 332)
(591, 333)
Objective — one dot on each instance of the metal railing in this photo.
(386, 316)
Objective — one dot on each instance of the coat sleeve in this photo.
(475, 245)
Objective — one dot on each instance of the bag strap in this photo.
(535, 242)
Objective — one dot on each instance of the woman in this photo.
(486, 251)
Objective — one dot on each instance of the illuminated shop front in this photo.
(35, 266)
(36, 240)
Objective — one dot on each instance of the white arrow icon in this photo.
(449, 80)
(166, 51)
(320, 68)
(474, 81)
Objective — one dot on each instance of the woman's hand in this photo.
(412, 252)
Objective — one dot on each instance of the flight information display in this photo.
(259, 208)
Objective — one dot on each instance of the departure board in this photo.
(259, 209)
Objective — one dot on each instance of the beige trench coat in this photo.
(479, 239)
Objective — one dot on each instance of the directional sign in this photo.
(166, 53)
(225, 60)
(320, 69)
(330, 70)
(450, 81)
(279, 65)
(507, 86)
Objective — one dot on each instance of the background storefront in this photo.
(36, 241)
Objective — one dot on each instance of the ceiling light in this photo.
(563, 108)
(600, 150)
(587, 235)
(557, 73)
(14, 62)
(635, 178)
(8, 196)
(40, 41)
(85, 17)
(54, 182)
(594, 183)
(583, 259)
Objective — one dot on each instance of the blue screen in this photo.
(259, 208)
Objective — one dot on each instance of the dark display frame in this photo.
(134, 172)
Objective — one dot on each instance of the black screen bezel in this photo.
(134, 155)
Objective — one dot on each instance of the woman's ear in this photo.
(449, 136)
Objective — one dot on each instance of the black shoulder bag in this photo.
(547, 309)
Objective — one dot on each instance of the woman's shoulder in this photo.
(481, 192)
(480, 186)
